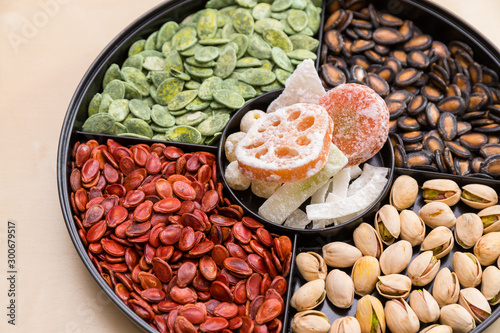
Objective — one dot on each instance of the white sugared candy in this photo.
(235, 179)
(264, 189)
(249, 118)
(298, 219)
(231, 143)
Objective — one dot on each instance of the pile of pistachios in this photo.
(460, 298)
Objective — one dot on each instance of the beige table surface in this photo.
(45, 48)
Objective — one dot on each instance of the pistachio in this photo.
(365, 275)
(346, 325)
(309, 296)
(487, 248)
(340, 289)
(311, 266)
(404, 192)
(457, 317)
(441, 190)
(424, 305)
(396, 257)
(467, 268)
(423, 268)
(446, 287)
(387, 224)
(468, 230)
(367, 240)
(370, 315)
(475, 303)
(311, 321)
(340, 254)
(490, 285)
(436, 214)
(439, 241)
(479, 196)
(412, 227)
(400, 317)
(394, 286)
(490, 217)
(436, 328)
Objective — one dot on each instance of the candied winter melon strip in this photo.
(290, 196)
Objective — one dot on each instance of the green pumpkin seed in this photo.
(217, 4)
(214, 41)
(199, 71)
(151, 41)
(297, 19)
(178, 112)
(273, 86)
(302, 54)
(105, 103)
(244, 90)
(282, 75)
(101, 123)
(139, 127)
(192, 85)
(295, 62)
(213, 124)
(136, 47)
(140, 109)
(184, 38)
(206, 54)
(166, 32)
(213, 139)
(94, 105)
(229, 98)
(197, 104)
(228, 10)
(248, 62)
(159, 129)
(134, 61)
(287, 28)
(157, 77)
(119, 129)
(119, 109)
(225, 63)
(112, 73)
(299, 4)
(304, 42)
(161, 117)
(277, 38)
(280, 16)
(258, 48)
(149, 101)
(281, 5)
(281, 59)
(168, 89)
(208, 87)
(151, 53)
(222, 19)
(261, 10)
(243, 21)
(183, 133)
(307, 32)
(159, 137)
(154, 64)
(131, 91)
(174, 60)
(216, 105)
(180, 75)
(134, 135)
(228, 30)
(207, 24)
(193, 62)
(242, 42)
(267, 23)
(166, 49)
(247, 3)
(191, 118)
(313, 17)
(135, 77)
(266, 64)
(257, 76)
(153, 93)
(182, 99)
(191, 51)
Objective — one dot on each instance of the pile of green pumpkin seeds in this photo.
(185, 80)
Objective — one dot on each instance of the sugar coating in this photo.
(230, 145)
(249, 118)
(264, 189)
(361, 120)
(235, 179)
(303, 86)
(289, 144)
(298, 219)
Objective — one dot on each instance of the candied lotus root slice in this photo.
(361, 121)
(288, 145)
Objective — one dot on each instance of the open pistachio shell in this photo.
(468, 230)
(367, 240)
(436, 214)
(423, 268)
(436, 328)
(400, 317)
(412, 227)
(339, 288)
(396, 257)
(479, 196)
(394, 286)
(387, 224)
(345, 325)
(490, 217)
(457, 317)
(309, 296)
(440, 241)
(490, 285)
(404, 192)
(475, 302)
(311, 266)
(311, 321)
(340, 254)
(487, 248)
(425, 306)
(365, 275)
(446, 287)
(467, 268)
(441, 190)
(370, 315)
